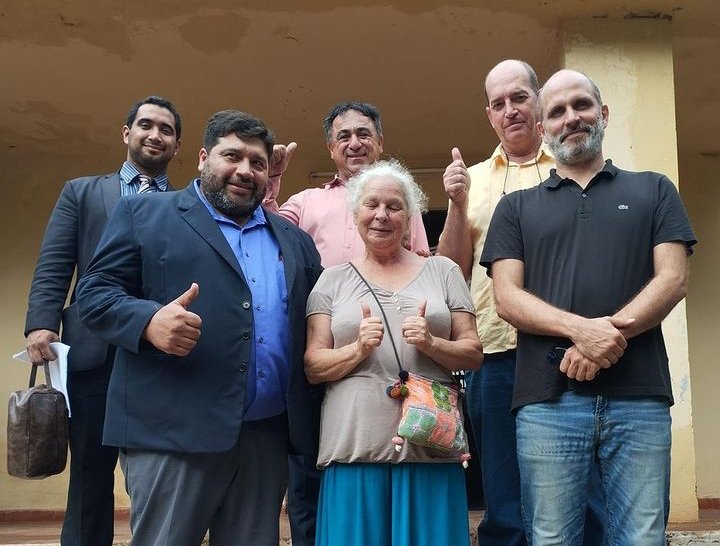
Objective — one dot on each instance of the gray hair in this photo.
(595, 90)
(415, 198)
(365, 108)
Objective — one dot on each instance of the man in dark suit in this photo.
(152, 136)
(205, 422)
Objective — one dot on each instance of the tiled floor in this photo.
(48, 532)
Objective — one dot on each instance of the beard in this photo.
(232, 206)
(150, 163)
(581, 151)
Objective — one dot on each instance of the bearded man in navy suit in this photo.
(203, 293)
(152, 135)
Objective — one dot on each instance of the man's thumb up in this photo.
(185, 299)
(456, 155)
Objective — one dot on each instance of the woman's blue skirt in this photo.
(407, 504)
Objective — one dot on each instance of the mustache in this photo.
(584, 127)
(239, 181)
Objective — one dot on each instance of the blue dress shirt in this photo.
(258, 255)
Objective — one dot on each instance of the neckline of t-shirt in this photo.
(404, 288)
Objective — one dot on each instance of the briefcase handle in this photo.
(33, 375)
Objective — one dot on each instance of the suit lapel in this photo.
(281, 232)
(193, 211)
(110, 189)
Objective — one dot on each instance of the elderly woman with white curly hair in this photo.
(372, 493)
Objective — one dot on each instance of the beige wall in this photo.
(699, 153)
(701, 193)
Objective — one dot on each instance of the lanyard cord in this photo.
(402, 373)
(507, 168)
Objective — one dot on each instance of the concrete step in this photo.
(705, 532)
(697, 538)
(674, 538)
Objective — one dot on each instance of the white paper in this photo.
(58, 368)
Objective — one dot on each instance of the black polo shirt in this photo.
(589, 252)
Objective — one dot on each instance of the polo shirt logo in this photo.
(623, 207)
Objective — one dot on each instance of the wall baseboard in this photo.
(709, 503)
(15, 516)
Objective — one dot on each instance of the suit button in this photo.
(246, 305)
(246, 335)
(242, 367)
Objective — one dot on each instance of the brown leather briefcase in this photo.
(37, 430)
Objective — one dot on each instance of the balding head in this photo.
(562, 79)
(514, 67)
(573, 119)
(511, 88)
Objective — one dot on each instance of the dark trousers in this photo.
(489, 399)
(303, 493)
(91, 503)
(175, 498)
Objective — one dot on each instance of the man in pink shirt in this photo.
(353, 131)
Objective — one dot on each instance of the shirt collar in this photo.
(256, 219)
(336, 181)
(499, 156)
(608, 171)
(128, 172)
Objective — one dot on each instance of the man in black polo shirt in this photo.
(586, 266)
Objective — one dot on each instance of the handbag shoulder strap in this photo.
(402, 373)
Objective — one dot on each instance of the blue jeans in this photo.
(558, 442)
(488, 401)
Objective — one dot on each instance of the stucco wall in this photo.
(701, 193)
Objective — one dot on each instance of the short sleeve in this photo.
(458, 295)
(504, 237)
(320, 300)
(671, 223)
(292, 209)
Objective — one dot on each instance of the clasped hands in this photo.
(599, 343)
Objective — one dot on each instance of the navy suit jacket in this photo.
(71, 236)
(152, 251)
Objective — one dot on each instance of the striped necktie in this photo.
(147, 184)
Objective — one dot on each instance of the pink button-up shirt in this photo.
(325, 215)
